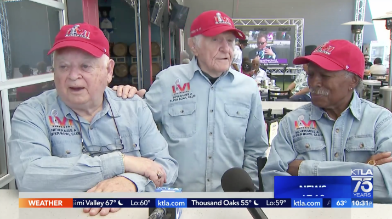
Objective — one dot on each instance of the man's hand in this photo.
(381, 158)
(116, 184)
(128, 91)
(146, 167)
(269, 51)
(294, 167)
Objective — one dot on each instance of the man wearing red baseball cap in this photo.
(338, 131)
(210, 114)
(81, 136)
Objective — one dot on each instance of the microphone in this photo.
(158, 213)
(165, 213)
(238, 180)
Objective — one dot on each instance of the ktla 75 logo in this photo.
(362, 183)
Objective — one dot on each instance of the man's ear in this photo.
(109, 70)
(192, 46)
(354, 82)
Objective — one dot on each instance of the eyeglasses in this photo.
(95, 150)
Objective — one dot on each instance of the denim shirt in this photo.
(46, 150)
(332, 148)
(210, 128)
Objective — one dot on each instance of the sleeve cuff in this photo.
(139, 181)
(308, 168)
(112, 165)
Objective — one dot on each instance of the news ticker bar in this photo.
(194, 203)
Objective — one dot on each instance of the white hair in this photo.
(197, 40)
(352, 75)
(184, 54)
(185, 61)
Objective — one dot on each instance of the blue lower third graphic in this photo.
(362, 203)
(171, 203)
(113, 203)
(307, 203)
(362, 183)
(341, 202)
(312, 187)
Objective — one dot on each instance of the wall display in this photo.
(275, 41)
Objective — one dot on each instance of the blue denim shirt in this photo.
(332, 148)
(46, 152)
(210, 128)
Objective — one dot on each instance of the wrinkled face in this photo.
(261, 43)
(81, 78)
(214, 54)
(329, 89)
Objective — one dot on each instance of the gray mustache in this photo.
(319, 91)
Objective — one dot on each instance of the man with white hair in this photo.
(210, 114)
(184, 57)
(81, 136)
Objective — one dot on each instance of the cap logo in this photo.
(75, 31)
(325, 48)
(222, 20)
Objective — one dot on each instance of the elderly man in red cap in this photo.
(338, 131)
(210, 114)
(81, 136)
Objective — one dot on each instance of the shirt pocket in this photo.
(67, 147)
(236, 122)
(311, 149)
(182, 120)
(131, 145)
(359, 149)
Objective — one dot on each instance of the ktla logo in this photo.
(362, 183)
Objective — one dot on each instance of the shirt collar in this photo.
(195, 68)
(105, 109)
(355, 109)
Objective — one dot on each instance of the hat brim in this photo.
(321, 61)
(218, 30)
(93, 50)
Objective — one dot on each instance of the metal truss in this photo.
(131, 3)
(360, 6)
(5, 37)
(297, 22)
(284, 71)
(159, 15)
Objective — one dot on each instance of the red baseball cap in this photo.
(212, 23)
(83, 36)
(336, 55)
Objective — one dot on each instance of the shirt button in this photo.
(182, 111)
(336, 154)
(307, 145)
(208, 180)
(361, 145)
(91, 128)
(212, 88)
(210, 133)
(337, 130)
(211, 111)
(134, 145)
(68, 152)
(238, 113)
(209, 157)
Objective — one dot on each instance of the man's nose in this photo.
(315, 81)
(74, 73)
(225, 46)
